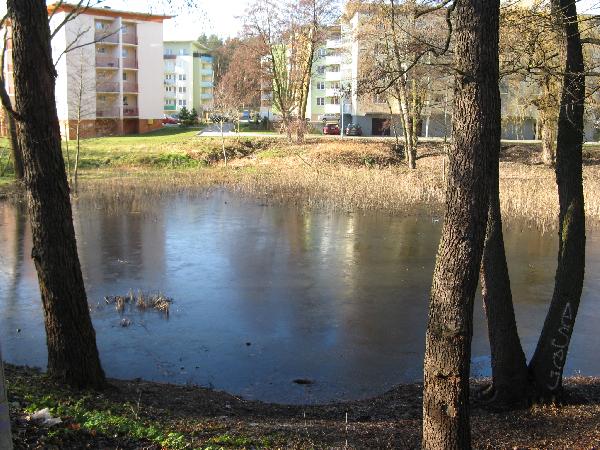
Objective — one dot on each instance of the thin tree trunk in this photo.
(546, 366)
(476, 138)
(72, 352)
(77, 153)
(509, 366)
(410, 153)
(69, 176)
(17, 156)
(223, 143)
(5, 433)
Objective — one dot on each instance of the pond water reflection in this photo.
(265, 295)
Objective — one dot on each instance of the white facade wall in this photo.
(150, 69)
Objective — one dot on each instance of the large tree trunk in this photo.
(546, 366)
(476, 138)
(509, 366)
(5, 434)
(72, 353)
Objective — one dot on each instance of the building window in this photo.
(182, 76)
(182, 103)
(168, 51)
(125, 29)
(124, 76)
(320, 101)
(125, 101)
(101, 26)
(335, 85)
(321, 70)
(101, 50)
(182, 89)
(183, 51)
(335, 100)
(124, 53)
(321, 85)
(322, 52)
(334, 68)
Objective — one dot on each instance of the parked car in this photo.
(353, 130)
(331, 128)
(170, 120)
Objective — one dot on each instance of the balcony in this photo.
(333, 43)
(107, 36)
(130, 111)
(332, 92)
(129, 38)
(170, 107)
(107, 112)
(206, 72)
(170, 82)
(107, 62)
(333, 76)
(130, 86)
(206, 96)
(333, 60)
(130, 63)
(107, 86)
(332, 109)
(206, 84)
(166, 56)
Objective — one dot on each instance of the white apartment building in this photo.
(188, 77)
(109, 66)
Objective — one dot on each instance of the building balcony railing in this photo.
(130, 63)
(107, 86)
(169, 56)
(206, 84)
(107, 112)
(333, 76)
(332, 92)
(170, 82)
(170, 107)
(130, 111)
(206, 96)
(206, 72)
(333, 60)
(333, 43)
(130, 38)
(107, 36)
(130, 86)
(330, 108)
(107, 61)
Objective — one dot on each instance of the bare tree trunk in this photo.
(69, 176)
(223, 143)
(509, 366)
(77, 153)
(546, 366)
(17, 156)
(72, 352)
(476, 138)
(410, 152)
(5, 433)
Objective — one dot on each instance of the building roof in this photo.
(107, 12)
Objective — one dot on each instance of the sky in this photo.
(220, 17)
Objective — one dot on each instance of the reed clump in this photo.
(141, 301)
(354, 175)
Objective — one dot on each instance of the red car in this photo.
(170, 120)
(331, 128)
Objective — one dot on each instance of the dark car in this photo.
(331, 128)
(353, 130)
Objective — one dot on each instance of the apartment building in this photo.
(109, 66)
(188, 77)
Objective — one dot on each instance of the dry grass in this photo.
(142, 302)
(355, 175)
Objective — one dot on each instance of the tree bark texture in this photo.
(546, 366)
(476, 135)
(72, 352)
(509, 366)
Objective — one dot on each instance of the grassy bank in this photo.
(138, 414)
(356, 174)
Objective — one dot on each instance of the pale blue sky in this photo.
(219, 16)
